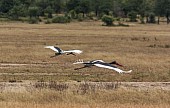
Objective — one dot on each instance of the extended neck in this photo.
(114, 62)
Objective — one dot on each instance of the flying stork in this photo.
(59, 51)
(102, 64)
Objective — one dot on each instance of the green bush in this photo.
(132, 16)
(91, 15)
(67, 15)
(152, 18)
(80, 17)
(73, 14)
(33, 20)
(108, 20)
(60, 19)
(48, 21)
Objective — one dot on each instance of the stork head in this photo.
(114, 62)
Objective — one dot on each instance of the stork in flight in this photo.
(59, 51)
(102, 64)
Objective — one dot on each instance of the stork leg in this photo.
(71, 54)
(56, 54)
(81, 67)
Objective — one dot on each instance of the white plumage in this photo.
(102, 64)
(60, 51)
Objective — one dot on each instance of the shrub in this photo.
(80, 17)
(48, 21)
(60, 19)
(132, 16)
(91, 15)
(33, 20)
(108, 20)
(73, 14)
(68, 17)
(152, 18)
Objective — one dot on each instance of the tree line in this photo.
(80, 9)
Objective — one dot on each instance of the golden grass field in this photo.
(143, 48)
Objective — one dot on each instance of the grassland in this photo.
(143, 48)
(58, 95)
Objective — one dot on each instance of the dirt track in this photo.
(8, 65)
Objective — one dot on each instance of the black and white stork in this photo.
(102, 64)
(59, 51)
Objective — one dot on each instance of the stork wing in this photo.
(56, 49)
(108, 66)
(78, 62)
(73, 51)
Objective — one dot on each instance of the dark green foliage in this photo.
(108, 20)
(6, 5)
(152, 18)
(132, 16)
(33, 11)
(33, 20)
(15, 12)
(162, 8)
(14, 9)
(80, 17)
(73, 14)
(60, 19)
(48, 21)
(91, 15)
(49, 11)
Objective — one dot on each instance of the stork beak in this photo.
(119, 64)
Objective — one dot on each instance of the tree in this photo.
(6, 5)
(118, 9)
(49, 10)
(84, 7)
(151, 18)
(106, 7)
(33, 12)
(72, 5)
(162, 8)
(132, 16)
(95, 6)
(57, 5)
(17, 11)
(80, 6)
(42, 5)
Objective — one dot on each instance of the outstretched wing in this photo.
(79, 62)
(109, 66)
(73, 51)
(56, 49)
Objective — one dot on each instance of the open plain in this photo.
(144, 48)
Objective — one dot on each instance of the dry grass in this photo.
(65, 105)
(130, 46)
(102, 99)
(142, 48)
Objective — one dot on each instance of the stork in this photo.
(102, 64)
(59, 51)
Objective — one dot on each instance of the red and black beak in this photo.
(118, 64)
(114, 62)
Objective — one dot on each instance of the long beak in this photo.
(119, 64)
